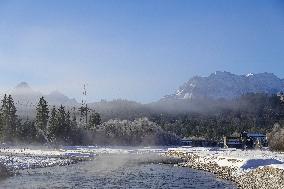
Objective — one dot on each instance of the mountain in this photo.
(227, 85)
(25, 97)
(56, 97)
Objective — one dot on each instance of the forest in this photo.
(254, 112)
(163, 123)
(81, 126)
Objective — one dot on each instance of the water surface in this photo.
(115, 171)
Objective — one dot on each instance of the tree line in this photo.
(82, 126)
(254, 112)
(55, 125)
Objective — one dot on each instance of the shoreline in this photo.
(261, 177)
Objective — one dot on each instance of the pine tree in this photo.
(13, 121)
(74, 124)
(42, 117)
(94, 120)
(68, 129)
(61, 129)
(9, 120)
(53, 125)
(74, 130)
(4, 118)
(27, 131)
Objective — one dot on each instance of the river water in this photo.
(115, 171)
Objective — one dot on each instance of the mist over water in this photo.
(116, 171)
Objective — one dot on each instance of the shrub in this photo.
(276, 138)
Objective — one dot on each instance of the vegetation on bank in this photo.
(207, 118)
(218, 118)
(57, 125)
(276, 138)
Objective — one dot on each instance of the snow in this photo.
(28, 151)
(16, 158)
(249, 74)
(227, 85)
(179, 92)
(242, 160)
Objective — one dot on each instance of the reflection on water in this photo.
(115, 171)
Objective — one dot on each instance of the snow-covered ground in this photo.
(33, 157)
(242, 161)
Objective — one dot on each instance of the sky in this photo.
(138, 50)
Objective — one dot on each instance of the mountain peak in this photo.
(249, 74)
(23, 85)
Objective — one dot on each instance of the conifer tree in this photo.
(42, 116)
(8, 119)
(67, 134)
(94, 120)
(4, 118)
(74, 122)
(13, 121)
(27, 131)
(53, 124)
(61, 128)
(74, 130)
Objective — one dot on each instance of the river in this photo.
(115, 171)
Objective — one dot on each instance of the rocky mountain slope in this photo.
(227, 85)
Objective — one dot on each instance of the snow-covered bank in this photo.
(19, 158)
(249, 169)
(15, 158)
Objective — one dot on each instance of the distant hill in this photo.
(25, 97)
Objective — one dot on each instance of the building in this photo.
(198, 142)
(246, 140)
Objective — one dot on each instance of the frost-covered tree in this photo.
(27, 131)
(9, 120)
(42, 114)
(94, 120)
(53, 124)
(137, 132)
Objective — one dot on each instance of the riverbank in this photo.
(259, 169)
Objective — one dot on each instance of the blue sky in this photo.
(138, 50)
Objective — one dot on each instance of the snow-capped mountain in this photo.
(25, 96)
(227, 85)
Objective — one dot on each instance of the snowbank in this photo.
(16, 158)
(248, 169)
(242, 160)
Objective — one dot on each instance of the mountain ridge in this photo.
(222, 84)
(23, 95)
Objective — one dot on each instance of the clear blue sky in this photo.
(137, 49)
